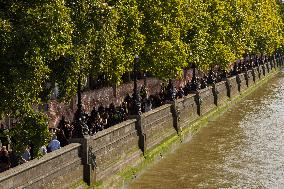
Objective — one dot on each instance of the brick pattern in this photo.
(116, 147)
(50, 171)
(158, 125)
(95, 98)
(188, 110)
(222, 93)
(114, 144)
(249, 77)
(233, 85)
(207, 100)
(242, 82)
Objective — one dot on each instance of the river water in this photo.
(243, 148)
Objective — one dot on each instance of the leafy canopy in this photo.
(47, 43)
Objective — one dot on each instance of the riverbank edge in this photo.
(123, 178)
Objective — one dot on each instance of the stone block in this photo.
(158, 125)
(255, 74)
(220, 93)
(206, 100)
(50, 171)
(242, 83)
(249, 78)
(232, 85)
(114, 144)
(188, 110)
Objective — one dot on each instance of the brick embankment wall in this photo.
(220, 92)
(58, 169)
(188, 110)
(205, 100)
(146, 132)
(114, 147)
(157, 125)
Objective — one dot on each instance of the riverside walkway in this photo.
(242, 148)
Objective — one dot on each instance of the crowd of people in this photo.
(214, 76)
(104, 117)
(9, 159)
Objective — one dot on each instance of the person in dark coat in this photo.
(4, 159)
(61, 137)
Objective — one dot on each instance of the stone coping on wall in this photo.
(146, 114)
(113, 128)
(205, 89)
(35, 162)
(186, 97)
(220, 83)
(232, 77)
(180, 100)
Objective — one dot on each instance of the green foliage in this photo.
(59, 41)
(165, 54)
(118, 38)
(33, 34)
(269, 33)
(223, 31)
(31, 128)
(62, 40)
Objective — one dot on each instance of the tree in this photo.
(33, 35)
(118, 38)
(224, 31)
(57, 42)
(30, 130)
(165, 54)
(268, 27)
